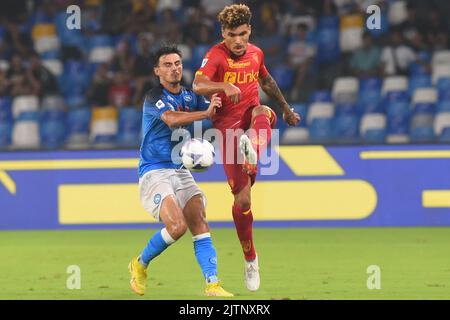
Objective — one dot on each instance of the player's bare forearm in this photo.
(176, 119)
(270, 87)
(205, 87)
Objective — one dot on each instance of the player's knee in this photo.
(262, 109)
(177, 229)
(243, 203)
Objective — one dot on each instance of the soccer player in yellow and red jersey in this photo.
(232, 69)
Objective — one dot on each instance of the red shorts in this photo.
(238, 179)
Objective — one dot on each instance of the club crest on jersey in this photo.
(204, 61)
(157, 198)
(188, 98)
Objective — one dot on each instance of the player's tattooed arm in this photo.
(270, 87)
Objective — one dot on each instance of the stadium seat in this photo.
(397, 12)
(188, 75)
(445, 136)
(44, 44)
(320, 110)
(6, 127)
(418, 81)
(25, 133)
(328, 50)
(397, 138)
(440, 71)
(421, 128)
(321, 130)
(198, 53)
(346, 108)
(42, 30)
(53, 128)
(101, 54)
(398, 117)
(129, 127)
(443, 106)
(6, 121)
(52, 102)
(295, 135)
(78, 124)
(54, 66)
(24, 104)
(396, 96)
(345, 90)
(441, 57)
(394, 83)
(284, 76)
(351, 29)
(186, 52)
(443, 87)
(346, 128)
(441, 122)
(370, 84)
(320, 96)
(372, 128)
(425, 95)
(104, 127)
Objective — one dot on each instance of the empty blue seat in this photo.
(374, 136)
(346, 128)
(443, 106)
(445, 135)
(396, 96)
(6, 126)
(345, 108)
(328, 39)
(398, 114)
(418, 81)
(284, 77)
(129, 127)
(422, 134)
(198, 53)
(320, 96)
(321, 130)
(5, 108)
(53, 133)
(424, 108)
(100, 40)
(79, 120)
(370, 84)
(370, 107)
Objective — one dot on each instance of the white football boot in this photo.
(250, 156)
(252, 279)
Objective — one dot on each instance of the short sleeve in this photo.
(157, 108)
(210, 64)
(262, 67)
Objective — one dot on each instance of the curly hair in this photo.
(234, 16)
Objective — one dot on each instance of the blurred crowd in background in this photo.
(82, 88)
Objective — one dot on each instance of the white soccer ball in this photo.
(197, 155)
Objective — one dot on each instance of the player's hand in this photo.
(215, 103)
(232, 92)
(292, 118)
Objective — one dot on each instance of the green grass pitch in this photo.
(297, 263)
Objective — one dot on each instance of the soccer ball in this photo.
(197, 155)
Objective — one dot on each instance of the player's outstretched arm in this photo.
(270, 87)
(179, 118)
(205, 87)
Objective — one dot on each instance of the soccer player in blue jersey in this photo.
(168, 191)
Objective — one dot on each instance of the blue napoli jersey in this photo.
(156, 146)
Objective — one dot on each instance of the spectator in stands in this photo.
(47, 81)
(365, 61)
(123, 60)
(143, 69)
(433, 25)
(397, 56)
(20, 81)
(411, 29)
(120, 91)
(300, 57)
(99, 88)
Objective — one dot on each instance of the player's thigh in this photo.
(237, 178)
(154, 187)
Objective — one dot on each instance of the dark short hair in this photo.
(165, 49)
